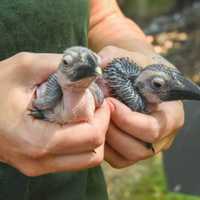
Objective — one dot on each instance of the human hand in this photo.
(37, 147)
(129, 131)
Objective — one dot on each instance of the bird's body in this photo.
(76, 89)
(119, 77)
(71, 107)
(70, 94)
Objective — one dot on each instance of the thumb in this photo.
(42, 65)
(34, 68)
(107, 54)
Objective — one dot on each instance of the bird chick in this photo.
(77, 88)
(137, 87)
(70, 94)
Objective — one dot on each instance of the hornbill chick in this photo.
(70, 94)
(77, 88)
(138, 87)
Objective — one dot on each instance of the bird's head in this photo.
(159, 83)
(79, 72)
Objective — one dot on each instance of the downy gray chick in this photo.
(77, 88)
(138, 87)
(70, 94)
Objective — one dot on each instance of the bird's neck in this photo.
(103, 86)
(119, 81)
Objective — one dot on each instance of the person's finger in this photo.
(45, 64)
(81, 137)
(115, 159)
(107, 54)
(144, 127)
(170, 116)
(34, 67)
(127, 146)
(60, 163)
(74, 162)
(164, 143)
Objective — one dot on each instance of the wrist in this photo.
(117, 30)
(109, 27)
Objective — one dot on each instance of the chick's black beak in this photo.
(185, 90)
(84, 72)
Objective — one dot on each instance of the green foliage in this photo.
(141, 182)
(146, 8)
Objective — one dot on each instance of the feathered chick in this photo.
(77, 88)
(137, 87)
(70, 94)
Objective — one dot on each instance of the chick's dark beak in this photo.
(185, 90)
(84, 72)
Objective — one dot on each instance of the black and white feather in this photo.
(120, 75)
(51, 94)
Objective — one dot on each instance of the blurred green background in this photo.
(180, 43)
(143, 181)
(144, 10)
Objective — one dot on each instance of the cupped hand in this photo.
(37, 147)
(129, 131)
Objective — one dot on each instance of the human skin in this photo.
(37, 147)
(114, 35)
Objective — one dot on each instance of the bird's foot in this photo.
(38, 114)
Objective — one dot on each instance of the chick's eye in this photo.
(158, 83)
(67, 60)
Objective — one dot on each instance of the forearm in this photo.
(108, 26)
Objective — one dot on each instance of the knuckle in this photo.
(141, 155)
(181, 122)
(97, 139)
(153, 131)
(36, 153)
(109, 48)
(30, 171)
(117, 165)
(132, 156)
(98, 159)
(138, 155)
(120, 165)
(24, 59)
